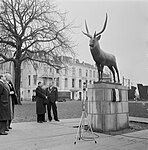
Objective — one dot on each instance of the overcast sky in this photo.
(126, 35)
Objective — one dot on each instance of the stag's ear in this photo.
(98, 38)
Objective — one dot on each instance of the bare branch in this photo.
(33, 28)
(5, 58)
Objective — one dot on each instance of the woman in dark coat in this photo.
(40, 103)
(5, 113)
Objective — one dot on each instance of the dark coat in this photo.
(40, 100)
(52, 94)
(5, 113)
(14, 96)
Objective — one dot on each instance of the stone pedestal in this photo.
(107, 107)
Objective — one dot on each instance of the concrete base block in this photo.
(108, 94)
(109, 123)
(122, 121)
(125, 107)
(96, 107)
(99, 95)
(119, 107)
(107, 107)
(96, 123)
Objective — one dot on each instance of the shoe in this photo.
(57, 120)
(50, 120)
(40, 121)
(3, 133)
(6, 129)
(10, 127)
(44, 121)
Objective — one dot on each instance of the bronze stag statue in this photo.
(100, 57)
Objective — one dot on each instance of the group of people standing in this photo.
(8, 99)
(46, 97)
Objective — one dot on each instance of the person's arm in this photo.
(46, 92)
(56, 93)
(12, 89)
(40, 94)
(1, 88)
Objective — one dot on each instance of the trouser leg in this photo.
(39, 117)
(3, 125)
(9, 123)
(49, 111)
(54, 109)
(13, 108)
(42, 117)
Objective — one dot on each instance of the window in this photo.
(34, 92)
(28, 93)
(1, 66)
(80, 72)
(66, 82)
(50, 70)
(45, 68)
(80, 83)
(45, 81)
(86, 73)
(57, 71)
(29, 80)
(65, 71)
(90, 82)
(94, 74)
(57, 82)
(73, 83)
(73, 70)
(34, 79)
(86, 83)
(90, 73)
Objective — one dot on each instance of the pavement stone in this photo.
(61, 136)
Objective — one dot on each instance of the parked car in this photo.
(63, 96)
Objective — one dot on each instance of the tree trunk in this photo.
(17, 81)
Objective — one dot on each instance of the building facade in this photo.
(69, 78)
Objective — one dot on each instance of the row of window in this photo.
(73, 82)
(34, 79)
(88, 73)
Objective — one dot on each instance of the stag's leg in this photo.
(117, 73)
(101, 68)
(113, 72)
(99, 74)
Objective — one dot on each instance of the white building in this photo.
(70, 78)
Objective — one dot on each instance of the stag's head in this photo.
(94, 39)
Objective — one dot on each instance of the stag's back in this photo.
(109, 59)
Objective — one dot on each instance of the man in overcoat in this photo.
(52, 97)
(40, 103)
(5, 113)
(13, 97)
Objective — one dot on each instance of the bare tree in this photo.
(32, 30)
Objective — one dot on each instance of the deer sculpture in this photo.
(100, 57)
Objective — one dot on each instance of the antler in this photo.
(87, 34)
(103, 27)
